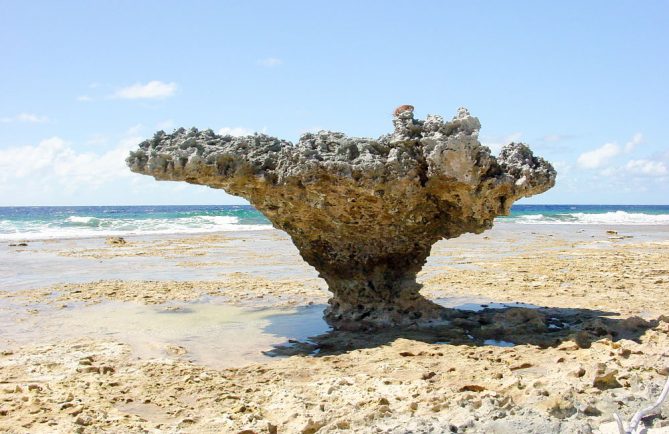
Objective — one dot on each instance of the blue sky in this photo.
(584, 83)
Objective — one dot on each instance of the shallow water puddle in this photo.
(496, 343)
(477, 304)
(212, 334)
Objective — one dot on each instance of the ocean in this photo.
(32, 223)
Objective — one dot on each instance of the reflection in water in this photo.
(477, 304)
(210, 333)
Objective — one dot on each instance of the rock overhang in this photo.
(364, 212)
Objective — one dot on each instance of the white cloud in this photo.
(598, 157)
(84, 98)
(563, 168)
(134, 130)
(54, 164)
(270, 62)
(495, 143)
(636, 140)
(25, 117)
(165, 125)
(152, 90)
(235, 131)
(552, 138)
(55, 172)
(646, 168)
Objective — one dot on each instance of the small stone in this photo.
(578, 372)
(428, 375)
(116, 241)
(606, 381)
(590, 410)
(662, 370)
(89, 369)
(583, 339)
(74, 411)
(561, 408)
(523, 365)
(471, 388)
(83, 420)
(343, 425)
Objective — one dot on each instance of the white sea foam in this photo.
(83, 220)
(87, 227)
(220, 219)
(607, 218)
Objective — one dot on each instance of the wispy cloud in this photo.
(25, 117)
(234, 131)
(647, 168)
(600, 156)
(152, 90)
(495, 143)
(554, 138)
(165, 125)
(54, 162)
(84, 98)
(270, 62)
(636, 140)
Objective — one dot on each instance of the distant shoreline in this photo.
(63, 222)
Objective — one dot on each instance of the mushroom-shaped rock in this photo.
(363, 212)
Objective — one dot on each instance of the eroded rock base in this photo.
(408, 309)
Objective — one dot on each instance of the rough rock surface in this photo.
(363, 212)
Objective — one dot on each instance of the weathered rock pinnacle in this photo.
(363, 212)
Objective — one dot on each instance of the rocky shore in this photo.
(554, 332)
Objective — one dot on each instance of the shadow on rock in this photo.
(543, 327)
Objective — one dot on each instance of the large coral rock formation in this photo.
(363, 212)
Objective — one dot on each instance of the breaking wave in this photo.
(580, 218)
(88, 226)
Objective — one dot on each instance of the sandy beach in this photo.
(553, 328)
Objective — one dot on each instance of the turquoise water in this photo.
(87, 221)
(589, 214)
(25, 223)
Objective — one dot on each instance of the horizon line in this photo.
(249, 205)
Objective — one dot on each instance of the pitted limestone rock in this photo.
(363, 212)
